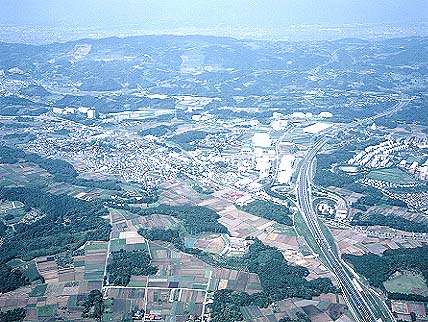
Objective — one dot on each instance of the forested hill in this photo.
(67, 223)
(61, 170)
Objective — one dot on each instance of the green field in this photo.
(90, 276)
(95, 246)
(46, 311)
(329, 237)
(406, 283)
(31, 273)
(303, 230)
(39, 290)
(392, 175)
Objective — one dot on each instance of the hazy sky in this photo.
(206, 13)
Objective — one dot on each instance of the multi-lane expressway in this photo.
(354, 294)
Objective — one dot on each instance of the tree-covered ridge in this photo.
(279, 281)
(61, 170)
(196, 219)
(185, 139)
(269, 210)
(391, 221)
(377, 269)
(93, 306)
(300, 317)
(158, 130)
(124, 264)
(68, 223)
(11, 279)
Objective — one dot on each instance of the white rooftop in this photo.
(317, 127)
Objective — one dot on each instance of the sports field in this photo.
(407, 283)
(392, 175)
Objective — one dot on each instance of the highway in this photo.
(353, 293)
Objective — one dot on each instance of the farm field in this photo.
(391, 175)
(120, 301)
(64, 287)
(327, 308)
(359, 242)
(13, 174)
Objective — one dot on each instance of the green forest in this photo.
(169, 235)
(93, 305)
(270, 211)
(184, 139)
(126, 263)
(11, 279)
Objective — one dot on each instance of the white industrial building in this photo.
(278, 125)
(91, 114)
(262, 140)
(298, 115)
(286, 169)
(263, 165)
(317, 127)
(326, 114)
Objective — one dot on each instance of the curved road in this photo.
(353, 293)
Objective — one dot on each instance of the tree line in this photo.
(168, 235)
(391, 221)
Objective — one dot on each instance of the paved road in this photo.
(353, 294)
